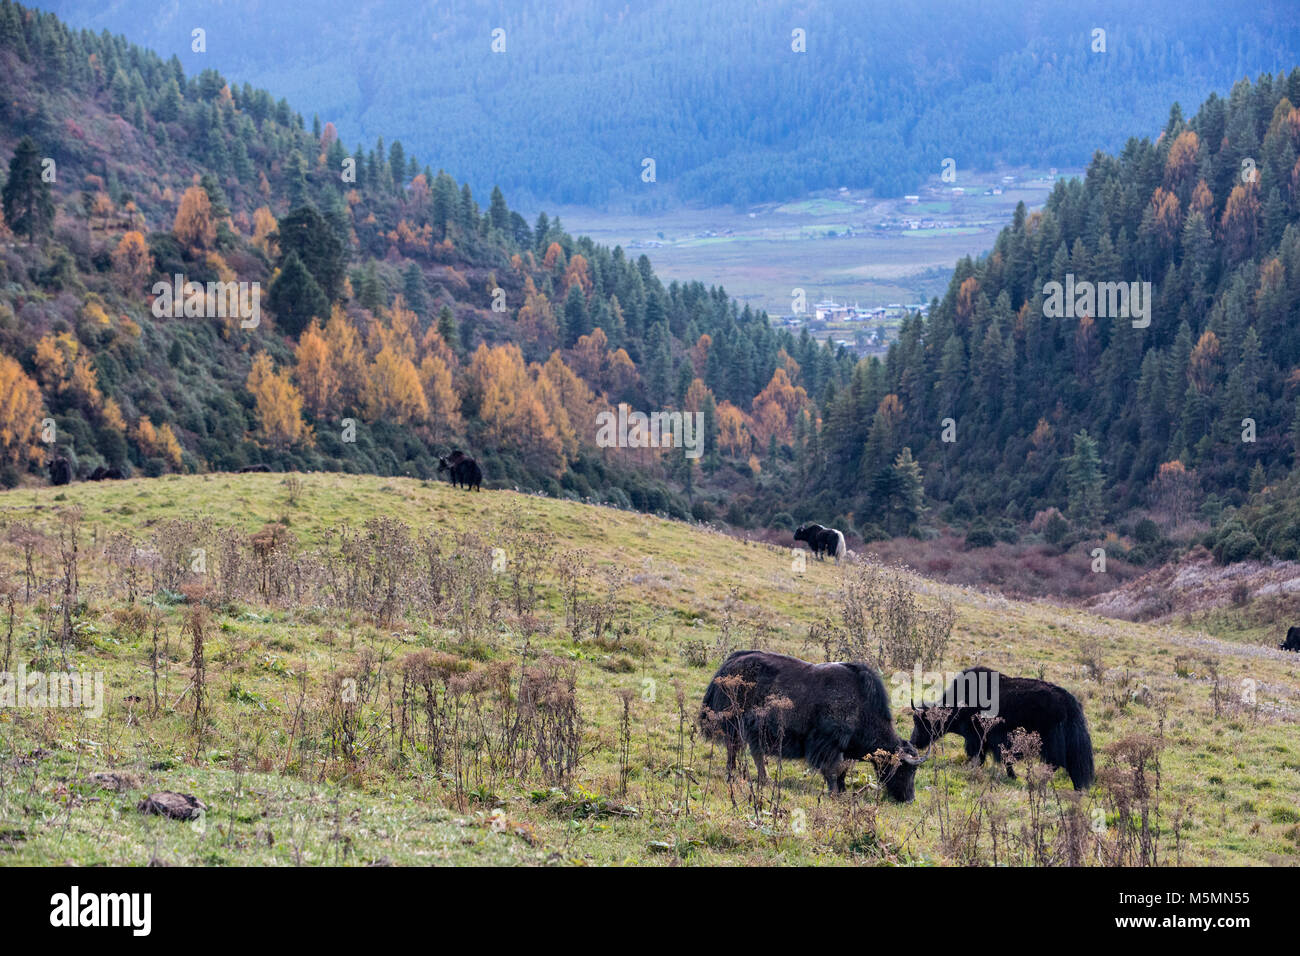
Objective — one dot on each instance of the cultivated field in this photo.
(357, 697)
(760, 254)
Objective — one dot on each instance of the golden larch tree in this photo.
(279, 404)
(20, 415)
(315, 372)
(194, 227)
(393, 393)
(132, 261)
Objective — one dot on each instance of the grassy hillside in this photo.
(293, 771)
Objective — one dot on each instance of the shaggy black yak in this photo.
(826, 714)
(983, 707)
(60, 471)
(465, 471)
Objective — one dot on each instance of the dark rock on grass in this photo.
(178, 806)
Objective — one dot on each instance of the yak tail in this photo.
(1078, 750)
(839, 545)
(715, 702)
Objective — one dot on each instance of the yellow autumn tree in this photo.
(440, 397)
(279, 404)
(158, 441)
(696, 396)
(1167, 215)
(54, 356)
(347, 356)
(514, 407)
(264, 228)
(577, 273)
(536, 319)
(194, 226)
(169, 448)
(393, 393)
(575, 397)
(1203, 365)
(1180, 167)
(132, 261)
(1240, 223)
(315, 372)
(733, 430)
(1202, 201)
(20, 415)
(405, 325)
(966, 295)
(776, 407)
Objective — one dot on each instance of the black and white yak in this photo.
(822, 541)
(984, 707)
(826, 714)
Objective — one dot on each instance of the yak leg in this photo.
(732, 747)
(757, 752)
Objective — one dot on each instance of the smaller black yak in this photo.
(60, 471)
(822, 541)
(1292, 642)
(827, 714)
(106, 474)
(984, 707)
(250, 469)
(465, 471)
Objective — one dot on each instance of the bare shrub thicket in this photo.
(881, 621)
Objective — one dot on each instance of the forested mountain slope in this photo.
(1099, 414)
(584, 90)
(391, 299)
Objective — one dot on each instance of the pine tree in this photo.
(295, 298)
(28, 202)
(1085, 480)
(908, 503)
(304, 232)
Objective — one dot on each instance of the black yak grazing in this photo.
(984, 707)
(1292, 642)
(464, 470)
(822, 541)
(60, 471)
(826, 714)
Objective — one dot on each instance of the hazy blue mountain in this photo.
(585, 90)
